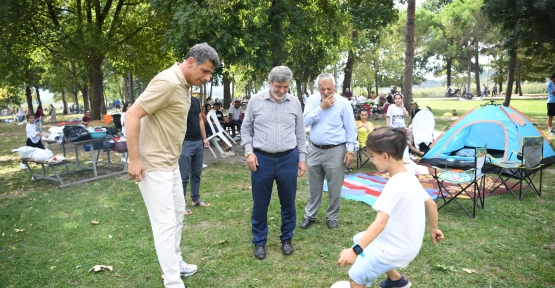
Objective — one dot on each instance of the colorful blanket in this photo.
(366, 187)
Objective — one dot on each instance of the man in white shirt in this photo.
(234, 116)
(361, 99)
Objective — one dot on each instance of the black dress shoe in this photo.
(306, 223)
(286, 247)
(260, 252)
(332, 224)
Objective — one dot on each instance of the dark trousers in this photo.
(36, 145)
(284, 171)
(190, 167)
(237, 123)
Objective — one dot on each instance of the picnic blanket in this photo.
(366, 187)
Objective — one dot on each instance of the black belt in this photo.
(324, 147)
(275, 155)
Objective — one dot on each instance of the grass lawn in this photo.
(508, 244)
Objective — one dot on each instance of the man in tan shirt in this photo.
(155, 131)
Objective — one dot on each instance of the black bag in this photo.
(76, 133)
(108, 143)
(111, 130)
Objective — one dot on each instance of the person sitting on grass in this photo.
(87, 118)
(395, 237)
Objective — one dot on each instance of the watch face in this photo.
(357, 249)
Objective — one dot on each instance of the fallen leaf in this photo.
(94, 221)
(271, 218)
(52, 267)
(19, 230)
(222, 241)
(10, 184)
(98, 268)
(110, 236)
(469, 271)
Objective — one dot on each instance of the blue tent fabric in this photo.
(500, 129)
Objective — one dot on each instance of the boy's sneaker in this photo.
(551, 132)
(187, 269)
(401, 283)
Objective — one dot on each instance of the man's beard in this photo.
(276, 96)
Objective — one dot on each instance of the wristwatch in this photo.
(358, 250)
(247, 153)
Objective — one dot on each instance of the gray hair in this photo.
(280, 74)
(203, 52)
(325, 76)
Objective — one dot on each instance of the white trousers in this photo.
(163, 195)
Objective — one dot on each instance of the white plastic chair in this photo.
(218, 132)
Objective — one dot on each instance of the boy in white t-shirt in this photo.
(395, 237)
(396, 113)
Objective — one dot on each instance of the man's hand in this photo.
(301, 169)
(206, 143)
(252, 162)
(327, 101)
(136, 170)
(436, 236)
(347, 257)
(348, 159)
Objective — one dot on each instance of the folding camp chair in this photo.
(525, 170)
(362, 156)
(471, 180)
(217, 132)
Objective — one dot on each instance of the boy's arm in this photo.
(348, 255)
(431, 211)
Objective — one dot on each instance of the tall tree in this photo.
(409, 53)
(524, 24)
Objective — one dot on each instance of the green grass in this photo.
(508, 244)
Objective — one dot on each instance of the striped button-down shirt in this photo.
(274, 126)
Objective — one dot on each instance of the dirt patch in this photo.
(15, 194)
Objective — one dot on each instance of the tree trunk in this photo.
(376, 78)
(75, 96)
(129, 93)
(518, 78)
(500, 87)
(449, 63)
(211, 86)
(348, 71)
(277, 11)
(38, 97)
(64, 100)
(469, 67)
(95, 78)
(227, 92)
(29, 97)
(103, 104)
(477, 71)
(512, 64)
(300, 91)
(85, 93)
(409, 54)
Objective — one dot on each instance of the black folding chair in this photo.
(471, 180)
(523, 171)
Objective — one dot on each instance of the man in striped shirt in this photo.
(273, 136)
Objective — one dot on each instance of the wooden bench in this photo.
(52, 166)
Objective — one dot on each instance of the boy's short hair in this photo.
(29, 116)
(553, 76)
(206, 105)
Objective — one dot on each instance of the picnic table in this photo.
(79, 165)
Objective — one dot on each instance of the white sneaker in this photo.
(551, 132)
(204, 165)
(187, 269)
(123, 159)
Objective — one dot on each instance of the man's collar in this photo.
(180, 75)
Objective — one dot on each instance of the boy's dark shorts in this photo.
(550, 109)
